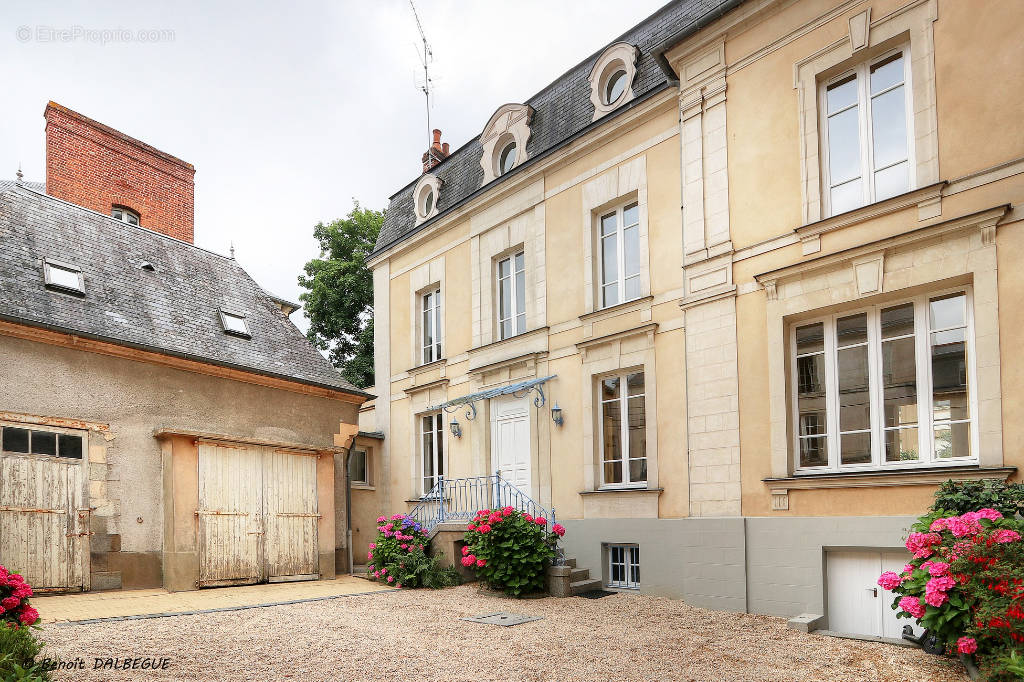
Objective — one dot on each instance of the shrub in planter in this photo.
(510, 550)
(399, 556)
(941, 586)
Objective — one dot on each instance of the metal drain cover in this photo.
(503, 619)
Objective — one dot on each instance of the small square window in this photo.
(234, 324)
(63, 277)
(624, 567)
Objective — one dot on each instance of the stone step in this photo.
(584, 586)
(570, 561)
(579, 574)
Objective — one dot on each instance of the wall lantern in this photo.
(456, 428)
(556, 414)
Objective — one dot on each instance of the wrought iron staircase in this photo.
(459, 499)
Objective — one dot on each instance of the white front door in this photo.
(510, 441)
(856, 603)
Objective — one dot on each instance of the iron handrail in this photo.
(459, 499)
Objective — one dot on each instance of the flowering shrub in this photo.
(399, 556)
(14, 594)
(965, 583)
(510, 550)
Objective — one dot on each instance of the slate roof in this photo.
(172, 310)
(561, 110)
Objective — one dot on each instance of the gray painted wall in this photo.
(136, 398)
(773, 566)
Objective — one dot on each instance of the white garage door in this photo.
(257, 515)
(856, 604)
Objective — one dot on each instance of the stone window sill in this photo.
(618, 309)
(872, 479)
(602, 491)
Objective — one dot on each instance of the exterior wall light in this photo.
(456, 428)
(556, 414)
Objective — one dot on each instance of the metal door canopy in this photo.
(503, 619)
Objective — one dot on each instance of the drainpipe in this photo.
(348, 510)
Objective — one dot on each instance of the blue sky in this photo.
(287, 110)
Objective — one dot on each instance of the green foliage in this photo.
(339, 297)
(958, 497)
(18, 651)
(996, 591)
(399, 557)
(418, 569)
(509, 550)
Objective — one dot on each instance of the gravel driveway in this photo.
(418, 635)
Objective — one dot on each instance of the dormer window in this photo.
(507, 158)
(504, 140)
(425, 196)
(125, 215)
(234, 323)
(63, 277)
(611, 78)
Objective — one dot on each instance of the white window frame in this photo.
(49, 265)
(365, 482)
(620, 255)
(518, 319)
(623, 400)
(630, 563)
(926, 422)
(58, 432)
(431, 328)
(125, 215)
(438, 455)
(226, 314)
(863, 72)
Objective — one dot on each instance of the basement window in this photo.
(125, 215)
(63, 277)
(624, 567)
(19, 440)
(234, 323)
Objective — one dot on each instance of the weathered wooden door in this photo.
(230, 515)
(43, 524)
(290, 502)
(257, 515)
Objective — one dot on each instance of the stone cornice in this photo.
(874, 479)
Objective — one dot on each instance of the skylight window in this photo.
(63, 277)
(234, 323)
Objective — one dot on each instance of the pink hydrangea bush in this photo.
(510, 550)
(14, 607)
(399, 556)
(939, 587)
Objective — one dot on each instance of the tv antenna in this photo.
(428, 56)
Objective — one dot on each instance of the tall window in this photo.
(620, 255)
(624, 566)
(866, 133)
(623, 438)
(889, 386)
(432, 437)
(359, 468)
(431, 326)
(512, 295)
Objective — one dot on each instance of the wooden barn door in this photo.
(257, 515)
(43, 525)
(290, 502)
(230, 515)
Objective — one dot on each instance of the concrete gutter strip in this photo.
(169, 614)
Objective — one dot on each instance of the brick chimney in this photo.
(95, 166)
(436, 153)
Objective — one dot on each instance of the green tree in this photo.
(339, 293)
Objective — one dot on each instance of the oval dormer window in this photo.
(616, 86)
(425, 196)
(507, 159)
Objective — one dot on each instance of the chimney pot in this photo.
(444, 148)
(437, 136)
